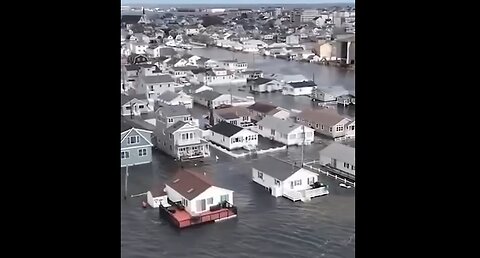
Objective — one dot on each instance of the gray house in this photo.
(136, 147)
(177, 133)
(154, 86)
(340, 157)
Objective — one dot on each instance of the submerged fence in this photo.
(331, 174)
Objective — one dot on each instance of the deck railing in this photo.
(331, 174)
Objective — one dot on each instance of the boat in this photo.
(345, 186)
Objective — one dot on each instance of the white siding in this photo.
(268, 182)
(212, 192)
(302, 175)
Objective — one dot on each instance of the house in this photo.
(218, 76)
(170, 98)
(158, 51)
(292, 40)
(157, 196)
(137, 59)
(284, 131)
(233, 137)
(253, 45)
(138, 47)
(284, 179)
(259, 110)
(139, 37)
(265, 85)
(299, 88)
(154, 86)
(181, 71)
(135, 105)
(329, 94)
(176, 62)
(325, 50)
(253, 74)
(267, 37)
(290, 78)
(177, 133)
(210, 97)
(191, 59)
(233, 65)
(340, 157)
(239, 116)
(196, 89)
(197, 200)
(136, 147)
(327, 122)
(192, 30)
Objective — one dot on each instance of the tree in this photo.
(211, 20)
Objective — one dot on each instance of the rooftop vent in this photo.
(189, 191)
(176, 180)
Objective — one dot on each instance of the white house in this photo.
(192, 30)
(328, 122)
(196, 192)
(284, 131)
(233, 137)
(299, 88)
(233, 65)
(138, 47)
(292, 39)
(283, 179)
(330, 93)
(253, 45)
(339, 156)
(265, 85)
(157, 196)
(172, 99)
(325, 50)
(135, 105)
(239, 116)
(154, 86)
(219, 76)
(196, 89)
(217, 99)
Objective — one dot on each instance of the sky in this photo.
(163, 2)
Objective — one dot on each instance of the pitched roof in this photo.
(325, 116)
(302, 84)
(126, 98)
(168, 96)
(280, 125)
(132, 67)
(130, 19)
(189, 184)
(184, 68)
(260, 81)
(167, 51)
(171, 111)
(175, 127)
(339, 151)
(126, 133)
(226, 129)
(232, 112)
(275, 168)
(262, 107)
(208, 94)
(158, 78)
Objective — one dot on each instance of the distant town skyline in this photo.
(237, 2)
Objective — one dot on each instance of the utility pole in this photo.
(303, 142)
(126, 183)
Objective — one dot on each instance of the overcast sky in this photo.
(163, 2)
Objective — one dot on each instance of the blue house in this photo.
(136, 147)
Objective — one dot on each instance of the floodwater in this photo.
(266, 226)
(324, 76)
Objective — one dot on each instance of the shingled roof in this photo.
(189, 184)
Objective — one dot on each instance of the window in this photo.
(184, 202)
(339, 128)
(277, 182)
(142, 152)
(184, 136)
(260, 175)
(185, 118)
(128, 108)
(133, 139)
(346, 165)
(272, 132)
(322, 127)
(224, 198)
(170, 120)
(125, 154)
(234, 122)
(140, 106)
(353, 167)
(352, 127)
(260, 127)
(310, 180)
(210, 200)
(245, 118)
(213, 134)
(191, 136)
(297, 182)
(330, 129)
(316, 126)
(151, 87)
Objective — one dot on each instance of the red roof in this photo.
(189, 184)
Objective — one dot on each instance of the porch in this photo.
(180, 218)
(194, 150)
(308, 194)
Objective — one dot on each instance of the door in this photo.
(334, 163)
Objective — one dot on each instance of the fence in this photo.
(331, 174)
(240, 155)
